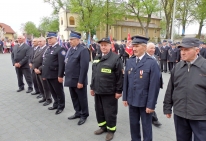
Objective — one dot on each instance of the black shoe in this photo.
(165, 71)
(52, 108)
(20, 89)
(73, 117)
(82, 121)
(43, 100)
(59, 111)
(35, 93)
(47, 103)
(156, 123)
(39, 96)
(29, 91)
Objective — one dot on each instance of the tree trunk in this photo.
(200, 28)
(107, 30)
(183, 30)
(170, 35)
(146, 32)
(167, 29)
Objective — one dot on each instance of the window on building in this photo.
(71, 20)
(61, 21)
(134, 30)
(124, 29)
(155, 31)
(140, 31)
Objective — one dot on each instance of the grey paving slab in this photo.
(22, 118)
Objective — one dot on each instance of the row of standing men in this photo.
(141, 83)
(50, 64)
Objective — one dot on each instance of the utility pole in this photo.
(173, 21)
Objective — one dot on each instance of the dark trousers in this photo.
(43, 87)
(1, 49)
(106, 107)
(8, 50)
(125, 59)
(185, 127)
(57, 92)
(80, 101)
(163, 65)
(135, 113)
(171, 65)
(36, 88)
(27, 75)
(154, 116)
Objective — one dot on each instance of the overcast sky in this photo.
(16, 12)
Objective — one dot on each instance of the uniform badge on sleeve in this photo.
(63, 52)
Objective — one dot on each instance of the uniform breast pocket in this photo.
(145, 74)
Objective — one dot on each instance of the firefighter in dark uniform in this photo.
(141, 88)
(77, 64)
(163, 56)
(172, 57)
(106, 87)
(53, 71)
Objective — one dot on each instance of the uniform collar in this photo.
(197, 62)
(55, 44)
(140, 58)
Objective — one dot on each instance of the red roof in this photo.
(7, 28)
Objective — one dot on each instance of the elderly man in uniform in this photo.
(141, 88)
(106, 87)
(37, 67)
(186, 93)
(172, 57)
(151, 52)
(163, 56)
(53, 71)
(33, 51)
(76, 68)
(20, 59)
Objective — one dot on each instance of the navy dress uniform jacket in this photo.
(164, 52)
(141, 92)
(53, 62)
(79, 62)
(172, 55)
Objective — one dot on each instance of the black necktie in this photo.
(137, 60)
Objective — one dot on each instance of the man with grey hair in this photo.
(185, 93)
(37, 67)
(141, 89)
(53, 71)
(150, 51)
(33, 51)
(20, 59)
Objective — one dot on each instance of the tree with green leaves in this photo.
(88, 10)
(200, 14)
(57, 5)
(31, 29)
(110, 13)
(184, 12)
(168, 7)
(143, 10)
(49, 24)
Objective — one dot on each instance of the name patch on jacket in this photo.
(106, 70)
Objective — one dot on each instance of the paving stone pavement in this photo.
(22, 118)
